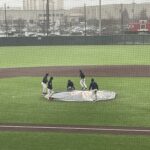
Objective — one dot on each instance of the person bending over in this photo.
(94, 88)
(70, 86)
(93, 85)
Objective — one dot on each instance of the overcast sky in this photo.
(74, 3)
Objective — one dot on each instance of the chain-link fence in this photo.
(76, 40)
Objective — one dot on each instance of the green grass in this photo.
(21, 102)
(60, 141)
(74, 55)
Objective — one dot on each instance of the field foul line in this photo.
(75, 129)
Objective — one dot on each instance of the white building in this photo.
(41, 4)
(110, 11)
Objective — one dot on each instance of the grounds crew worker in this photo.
(70, 86)
(82, 81)
(44, 84)
(94, 87)
(50, 87)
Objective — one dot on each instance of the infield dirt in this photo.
(65, 71)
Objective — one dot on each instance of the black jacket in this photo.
(45, 80)
(70, 85)
(82, 76)
(50, 86)
(93, 86)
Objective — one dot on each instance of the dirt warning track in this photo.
(64, 71)
(77, 129)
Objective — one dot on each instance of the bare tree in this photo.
(125, 16)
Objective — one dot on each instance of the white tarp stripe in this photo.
(77, 128)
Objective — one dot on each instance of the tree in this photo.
(125, 16)
(143, 14)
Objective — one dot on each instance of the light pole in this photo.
(100, 17)
(133, 10)
(53, 14)
(85, 19)
(122, 19)
(43, 5)
(47, 17)
(44, 19)
(6, 25)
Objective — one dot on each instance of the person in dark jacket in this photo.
(70, 86)
(94, 88)
(82, 80)
(44, 84)
(93, 85)
(50, 87)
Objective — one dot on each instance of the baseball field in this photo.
(28, 121)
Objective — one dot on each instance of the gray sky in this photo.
(74, 3)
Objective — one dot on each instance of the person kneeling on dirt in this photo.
(50, 88)
(70, 86)
(44, 84)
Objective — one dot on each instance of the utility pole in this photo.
(47, 17)
(44, 20)
(100, 17)
(6, 25)
(121, 11)
(53, 16)
(85, 20)
(133, 10)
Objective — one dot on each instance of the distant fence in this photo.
(76, 40)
